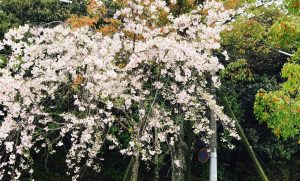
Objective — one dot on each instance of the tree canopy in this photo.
(126, 90)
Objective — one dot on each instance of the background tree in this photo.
(36, 12)
(254, 39)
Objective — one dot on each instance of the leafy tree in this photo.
(257, 44)
(237, 71)
(285, 34)
(293, 6)
(281, 108)
(19, 12)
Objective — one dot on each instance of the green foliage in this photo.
(255, 39)
(246, 35)
(3, 60)
(7, 21)
(19, 12)
(270, 150)
(256, 44)
(293, 6)
(296, 57)
(251, 38)
(266, 15)
(285, 34)
(237, 71)
(281, 108)
(236, 3)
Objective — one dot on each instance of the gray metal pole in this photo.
(285, 53)
(213, 170)
(66, 1)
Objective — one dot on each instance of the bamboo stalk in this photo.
(244, 139)
(127, 174)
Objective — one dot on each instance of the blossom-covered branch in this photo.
(86, 85)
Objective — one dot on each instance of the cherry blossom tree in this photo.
(81, 89)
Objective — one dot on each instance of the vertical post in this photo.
(178, 153)
(213, 176)
(135, 168)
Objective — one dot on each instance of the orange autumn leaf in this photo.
(231, 4)
(77, 22)
(108, 30)
(95, 9)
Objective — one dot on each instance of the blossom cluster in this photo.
(77, 87)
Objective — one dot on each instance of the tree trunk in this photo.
(156, 159)
(188, 157)
(178, 163)
(178, 153)
(135, 168)
(132, 169)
